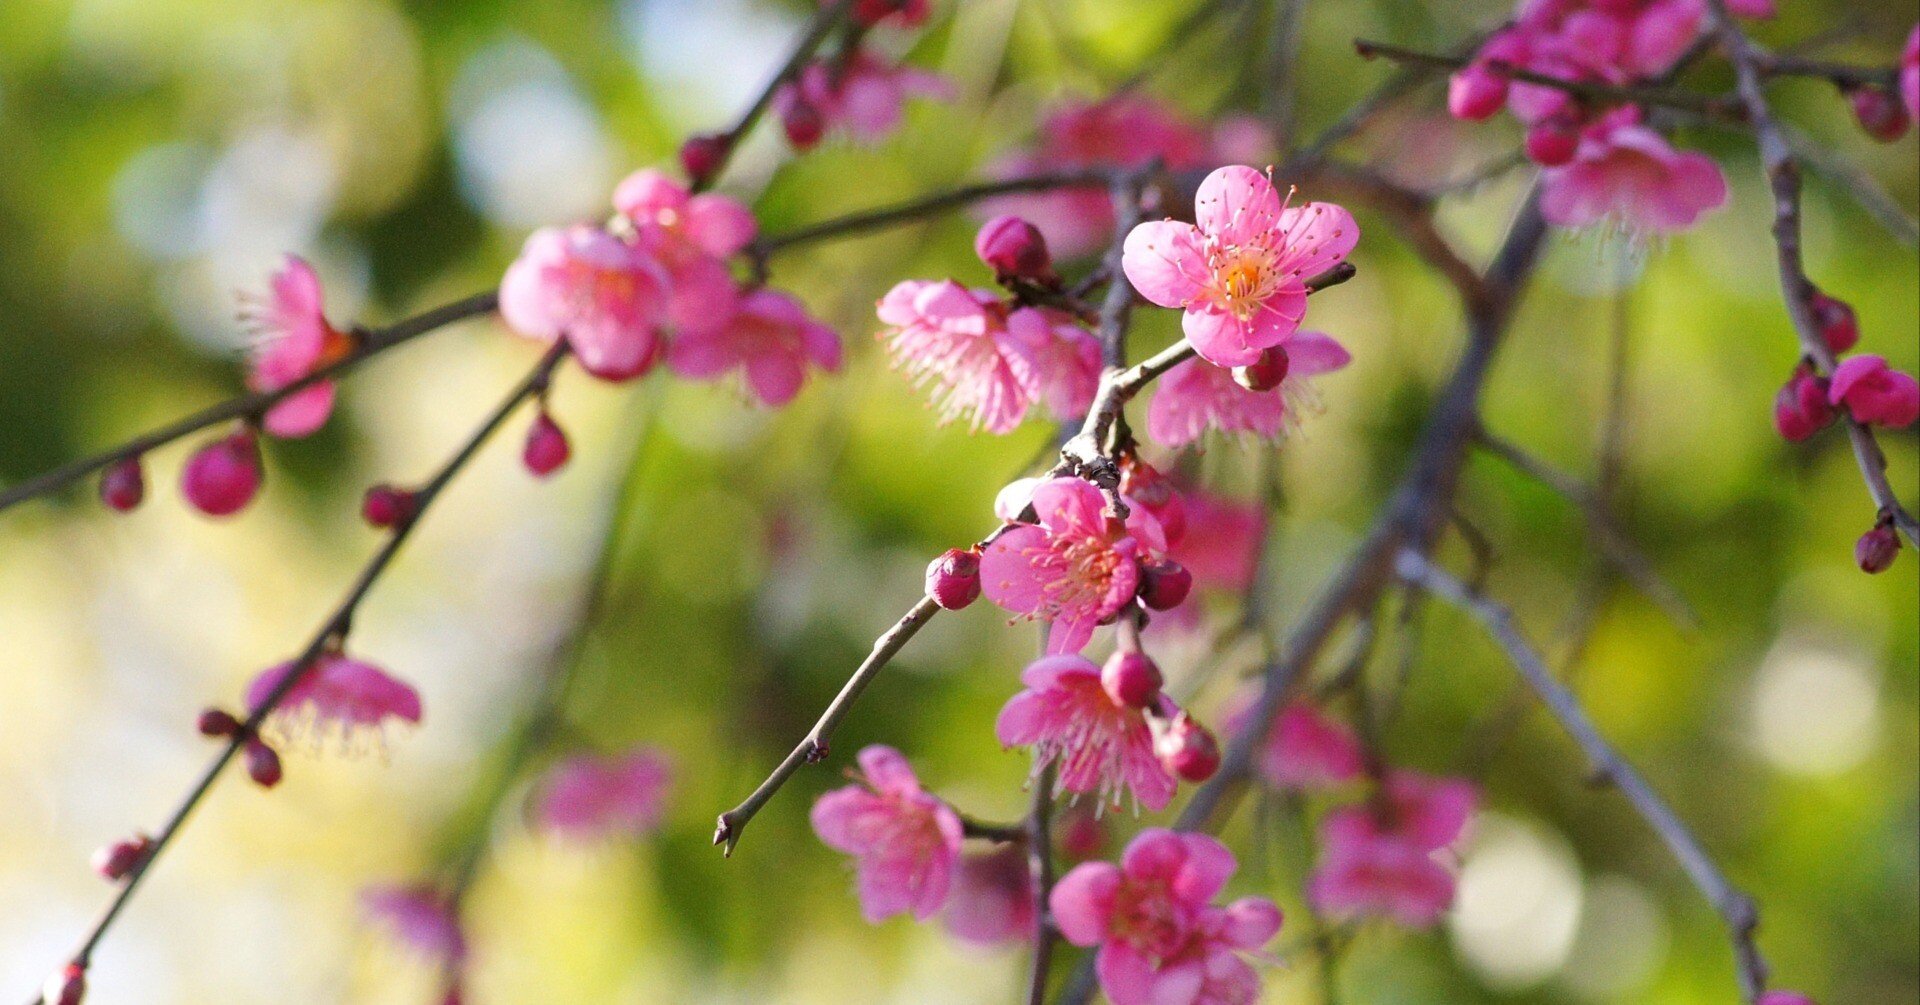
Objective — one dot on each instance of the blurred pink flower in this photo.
(1304, 749)
(904, 13)
(1101, 746)
(588, 798)
(992, 899)
(419, 918)
(1910, 74)
(906, 841)
(1240, 275)
(770, 338)
(292, 340)
(1627, 173)
(337, 694)
(1075, 568)
(692, 236)
(1160, 938)
(984, 362)
(1196, 396)
(865, 95)
(1874, 392)
(1382, 863)
(1221, 546)
(606, 297)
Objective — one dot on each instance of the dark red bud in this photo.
(123, 485)
(1879, 113)
(1552, 144)
(1164, 584)
(221, 478)
(67, 987)
(115, 861)
(953, 579)
(263, 764)
(1265, 373)
(387, 506)
(1877, 548)
(547, 448)
(217, 722)
(1083, 835)
(803, 124)
(701, 156)
(1130, 678)
(1839, 328)
(1187, 750)
(1801, 408)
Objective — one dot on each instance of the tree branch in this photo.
(1592, 91)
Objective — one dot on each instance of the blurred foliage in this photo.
(160, 153)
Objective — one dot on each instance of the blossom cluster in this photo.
(857, 91)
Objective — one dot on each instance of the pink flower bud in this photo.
(387, 506)
(217, 722)
(701, 156)
(1877, 548)
(1083, 834)
(1265, 373)
(953, 579)
(1879, 113)
(1801, 408)
(115, 861)
(66, 987)
(1838, 326)
(1164, 584)
(1552, 144)
(1130, 678)
(1187, 749)
(1014, 249)
(263, 764)
(1476, 93)
(123, 484)
(222, 477)
(547, 448)
(1874, 392)
(803, 124)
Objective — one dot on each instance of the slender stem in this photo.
(915, 209)
(1716, 108)
(1843, 75)
(1040, 865)
(252, 406)
(823, 23)
(1735, 907)
(331, 632)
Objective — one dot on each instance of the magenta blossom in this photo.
(1910, 74)
(1785, 998)
(1304, 750)
(1076, 567)
(1160, 938)
(1627, 173)
(691, 236)
(906, 841)
(292, 340)
(985, 363)
(992, 899)
(1240, 274)
(1101, 745)
(1381, 860)
(606, 297)
(336, 694)
(1874, 392)
(1221, 546)
(770, 338)
(1195, 396)
(420, 919)
(588, 798)
(865, 96)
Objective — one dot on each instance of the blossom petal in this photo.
(1166, 261)
(1236, 205)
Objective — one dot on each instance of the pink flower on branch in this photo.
(1874, 392)
(1076, 567)
(770, 339)
(1239, 274)
(1221, 548)
(588, 798)
(905, 841)
(1624, 172)
(420, 919)
(1195, 396)
(1304, 749)
(1160, 937)
(984, 362)
(606, 297)
(293, 339)
(691, 236)
(863, 95)
(1101, 745)
(992, 899)
(1377, 859)
(337, 694)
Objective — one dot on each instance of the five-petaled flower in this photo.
(1379, 858)
(605, 296)
(336, 694)
(292, 340)
(1101, 745)
(691, 236)
(1076, 567)
(770, 339)
(1626, 173)
(1160, 937)
(1240, 273)
(905, 841)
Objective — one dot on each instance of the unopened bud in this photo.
(953, 579)
(218, 722)
(115, 861)
(547, 448)
(222, 477)
(263, 764)
(1015, 249)
(123, 484)
(1187, 749)
(1265, 373)
(1879, 113)
(1801, 408)
(802, 123)
(387, 506)
(1877, 548)
(701, 156)
(1839, 329)
(1552, 144)
(1164, 584)
(1130, 678)
(1476, 93)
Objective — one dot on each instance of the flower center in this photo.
(1146, 919)
(1243, 280)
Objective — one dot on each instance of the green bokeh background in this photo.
(159, 154)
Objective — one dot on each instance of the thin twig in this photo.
(1040, 866)
(1589, 90)
(823, 23)
(1735, 907)
(915, 209)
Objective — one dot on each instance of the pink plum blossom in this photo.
(992, 899)
(770, 338)
(1875, 393)
(691, 236)
(292, 340)
(1196, 396)
(586, 798)
(1160, 937)
(1304, 749)
(864, 95)
(1910, 74)
(1627, 173)
(336, 694)
(1101, 746)
(1379, 858)
(1124, 131)
(983, 362)
(1076, 567)
(906, 841)
(606, 297)
(1221, 546)
(1240, 274)
(420, 919)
